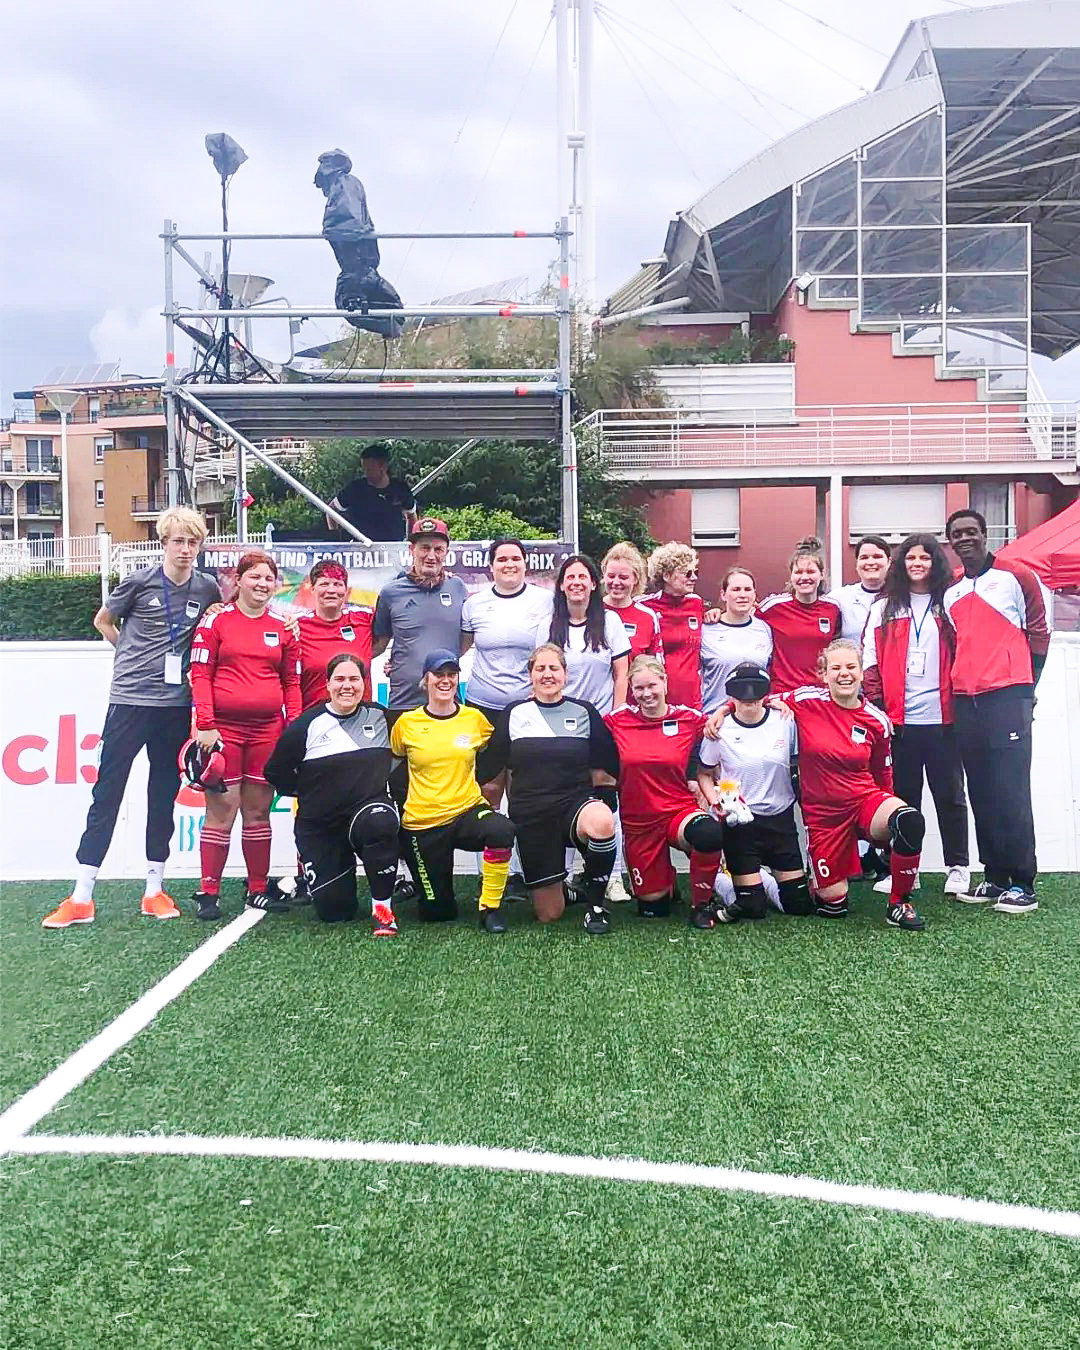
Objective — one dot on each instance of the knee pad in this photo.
(375, 823)
(906, 830)
(795, 896)
(704, 834)
(499, 831)
(751, 902)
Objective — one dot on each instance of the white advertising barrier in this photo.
(53, 697)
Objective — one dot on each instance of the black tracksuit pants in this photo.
(994, 734)
(127, 730)
(933, 751)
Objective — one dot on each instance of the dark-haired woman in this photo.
(803, 622)
(334, 759)
(872, 558)
(908, 649)
(245, 669)
(590, 635)
(334, 625)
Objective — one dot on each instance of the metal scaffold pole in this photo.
(568, 476)
(172, 457)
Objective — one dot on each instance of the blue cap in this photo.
(439, 659)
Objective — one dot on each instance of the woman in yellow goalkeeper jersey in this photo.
(445, 809)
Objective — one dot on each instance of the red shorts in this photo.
(647, 850)
(833, 835)
(247, 748)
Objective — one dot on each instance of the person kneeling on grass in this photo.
(334, 759)
(556, 749)
(656, 741)
(754, 749)
(445, 809)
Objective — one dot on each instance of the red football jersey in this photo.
(680, 631)
(654, 761)
(244, 669)
(642, 627)
(800, 633)
(842, 751)
(322, 639)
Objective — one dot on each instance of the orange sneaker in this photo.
(160, 906)
(69, 911)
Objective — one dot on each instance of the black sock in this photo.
(380, 861)
(599, 856)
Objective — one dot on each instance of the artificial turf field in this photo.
(947, 1061)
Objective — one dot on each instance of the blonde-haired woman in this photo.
(623, 574)
(673, 571)
(803, 622)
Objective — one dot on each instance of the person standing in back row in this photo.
(803, 622)
(673, 569)
(997, 610)
(872, 557)
(149, 618)
(378, 505)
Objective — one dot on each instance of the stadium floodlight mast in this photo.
(64, 400)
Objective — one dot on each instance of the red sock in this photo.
(903, 869)
(703, 870)
(255, 842)
(213, 850)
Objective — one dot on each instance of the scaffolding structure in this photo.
(428, 404)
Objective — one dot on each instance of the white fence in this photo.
(25, 557)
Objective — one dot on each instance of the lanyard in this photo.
(175, 627)
(918, 624)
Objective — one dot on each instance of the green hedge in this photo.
(50, 606)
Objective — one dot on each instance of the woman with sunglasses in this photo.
(673, 570)
(908, 648)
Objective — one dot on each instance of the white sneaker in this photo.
(884, 886)
(615, 892)
(958, 882)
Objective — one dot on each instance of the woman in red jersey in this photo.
(846, 787)
(907, 649)
(623, 573)
(656, 741)
(803, 623)
(332, 627)
(244, 670)
(673, 570)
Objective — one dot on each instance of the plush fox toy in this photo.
(732, 807)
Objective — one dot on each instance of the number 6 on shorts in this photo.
(822, 869)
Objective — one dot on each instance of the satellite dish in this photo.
(246, 289)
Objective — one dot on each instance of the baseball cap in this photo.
(747, 682)
(440, 659)
(430, 525)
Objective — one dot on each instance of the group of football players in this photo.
(615, 717)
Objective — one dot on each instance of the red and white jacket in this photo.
(885, 662)
(1000, 623)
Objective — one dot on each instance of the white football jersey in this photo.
(759, 757)
(504, 635)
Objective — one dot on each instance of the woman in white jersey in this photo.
(872, 558)
(755, 749)
(737, 636)
(500, 623)
(591, 636)
(908, 649)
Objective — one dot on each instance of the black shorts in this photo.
(769, 840)
(542, 844)
(329, 864)
(430, 856)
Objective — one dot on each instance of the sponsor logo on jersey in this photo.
(348, 633)
(153, 603)
(271, 639)
(823, 624)
(859, 735)
(669, 728)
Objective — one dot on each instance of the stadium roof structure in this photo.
(948, 196)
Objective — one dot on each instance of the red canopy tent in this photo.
(1051, 550)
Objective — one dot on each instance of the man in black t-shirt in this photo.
(381, 507)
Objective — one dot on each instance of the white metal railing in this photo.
(25, 557)
(826, 435)
(129, 555)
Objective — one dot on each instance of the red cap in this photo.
(429, 525)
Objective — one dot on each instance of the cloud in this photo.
(136, 337)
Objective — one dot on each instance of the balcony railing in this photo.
(44, 468)
(636, 439)
(145, 408)
(41, 509)
(149, 505)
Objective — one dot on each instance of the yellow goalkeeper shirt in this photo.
(441, 754)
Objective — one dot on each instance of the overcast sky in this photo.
(446, 107)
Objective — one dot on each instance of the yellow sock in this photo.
(494, 876)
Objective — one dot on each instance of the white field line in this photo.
(987, 1213)
(24, 1114)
